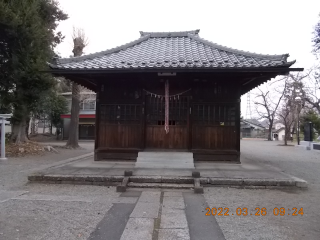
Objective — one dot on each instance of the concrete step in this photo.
(166, 155)
(164, 165)
(160, 185)
(143, 159)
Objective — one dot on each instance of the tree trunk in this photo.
(50, 128)
(286, 136)
(269, 133)
(270, 138)
(33, 126)
(74, 121)
(79, 43)
(27, 127)
(19, 133)
(44, 126)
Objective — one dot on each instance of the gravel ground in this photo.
(49, 211)
(59, 212)
(291, 160)
(14, 171)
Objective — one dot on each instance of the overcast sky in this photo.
(268, 27)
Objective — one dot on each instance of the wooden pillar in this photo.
(237, 123)
(189, 124)
(143, 120)
(97, 128)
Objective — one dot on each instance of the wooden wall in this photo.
(211, 129)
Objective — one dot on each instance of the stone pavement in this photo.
(158, 215)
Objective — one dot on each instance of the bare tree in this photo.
(313, 88)
(293, 101)
(80, 41)
(267, 105)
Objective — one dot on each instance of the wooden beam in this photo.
(255, 82)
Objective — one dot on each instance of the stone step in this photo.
(166, 155)
(164, 165)
(165, 160)
(160, 185)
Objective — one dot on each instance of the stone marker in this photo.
(195, 174)
(123, 186)
(197, 187)
(128, 173)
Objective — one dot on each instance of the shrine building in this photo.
(170, 91)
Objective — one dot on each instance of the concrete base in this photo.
(3, 159)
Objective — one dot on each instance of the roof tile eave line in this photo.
(237, 51)
(61, 67)
(98, 54)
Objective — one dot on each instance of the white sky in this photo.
(268, 27)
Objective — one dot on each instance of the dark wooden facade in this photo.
(205, 119)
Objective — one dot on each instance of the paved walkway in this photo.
(158, 215)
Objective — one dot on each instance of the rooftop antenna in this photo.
(248, 111)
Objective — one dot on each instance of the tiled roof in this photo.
(253, 122)
(167, 50)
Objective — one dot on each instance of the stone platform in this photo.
(89, 172)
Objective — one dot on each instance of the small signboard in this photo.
(308, 131)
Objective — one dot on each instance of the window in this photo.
(178, 110)
(214, 114)
(121, 113)
(88, 105)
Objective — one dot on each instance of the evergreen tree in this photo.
(27, 40)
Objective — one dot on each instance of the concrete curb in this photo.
(205, 181)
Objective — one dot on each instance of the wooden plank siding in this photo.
(213, 137)
(120, 135)
(177, 138)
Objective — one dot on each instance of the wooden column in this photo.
(143, 120)
(97, 127)
(189, 124)
(237, 123)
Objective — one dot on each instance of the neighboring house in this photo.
(41, 126)
(278, 131)
(252, 128)
(87, 115)
(277, 125)
(278, 134)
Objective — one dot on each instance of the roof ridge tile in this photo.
(170, 34)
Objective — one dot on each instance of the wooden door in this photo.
(178, 136)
